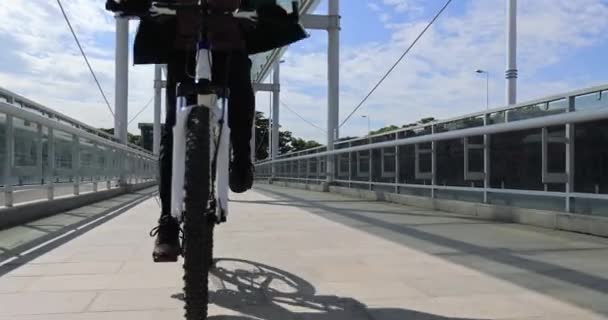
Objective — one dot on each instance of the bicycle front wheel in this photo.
(198, 225)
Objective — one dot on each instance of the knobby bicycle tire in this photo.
(198, 226)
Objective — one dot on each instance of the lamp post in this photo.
(479, 71)
(512, 72)
(369, 127)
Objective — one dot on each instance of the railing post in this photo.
(570, 160)
(136, 172)
(123, 166)
(127, 167)
(9, 160)
(397, 171)
(318, 169)
(76, 163)
(39, 165)
(370, 164)
(140, 169)
(95, 168)
(433, 163)
(350, 166)
(486, 161)
(51, 170)
(307, 170)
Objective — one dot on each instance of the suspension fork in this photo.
(179, 155)
(219, 146)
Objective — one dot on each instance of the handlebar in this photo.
(170, 8)
(175, 6)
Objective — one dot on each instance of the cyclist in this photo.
(171, 40)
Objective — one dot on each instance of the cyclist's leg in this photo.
(167, 243)
(241, 105)
(166, 142)
(241, 108)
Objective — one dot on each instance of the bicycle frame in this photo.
(218, 127)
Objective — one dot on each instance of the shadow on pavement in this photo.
(533, 268)
(259, 291)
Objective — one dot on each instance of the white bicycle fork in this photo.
(216, 115)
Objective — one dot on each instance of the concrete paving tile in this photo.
(110, 315)
(69, 283)
(14, 284)
(136, 299)
(147, 280)
(74, 268)
(308, 263)
(44, 302)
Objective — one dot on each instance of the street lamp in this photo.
(369, 127)
(479, 71)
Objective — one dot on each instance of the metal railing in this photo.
(406, 160)
(43, 149)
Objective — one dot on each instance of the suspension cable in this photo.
(86, 60)
(396, 63)
(142, 110)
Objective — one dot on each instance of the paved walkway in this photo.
(289, 254)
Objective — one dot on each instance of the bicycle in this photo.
(201, 152)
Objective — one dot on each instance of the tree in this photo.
(346, 138)
(385, 129)
(131, 138)
(287, 142)
(285, 139)
(299, 144)
(261, 136)
(426, 120)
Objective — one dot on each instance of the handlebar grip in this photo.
(130, 7)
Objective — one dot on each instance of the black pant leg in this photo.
(241, 106)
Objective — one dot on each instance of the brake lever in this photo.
(158, 11)
(248, 15)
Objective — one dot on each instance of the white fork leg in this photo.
(223, 160)
(179, 159)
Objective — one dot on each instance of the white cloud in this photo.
(48, 67)
(437, 78)
(405, 5)
(374, 7)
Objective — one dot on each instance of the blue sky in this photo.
(562, 46)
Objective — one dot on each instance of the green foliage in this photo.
(287, 142)
(131, 138)
(385, 129)
(298, 144)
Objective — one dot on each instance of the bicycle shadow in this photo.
(258, 291)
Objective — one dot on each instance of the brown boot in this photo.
(167, 246)
(241, 175)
